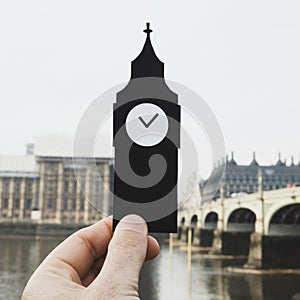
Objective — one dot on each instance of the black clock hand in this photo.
(150, 122)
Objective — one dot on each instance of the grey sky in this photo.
(242, 57)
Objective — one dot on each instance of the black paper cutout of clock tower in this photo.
(146, 131)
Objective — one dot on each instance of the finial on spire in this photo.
(147, 64)
(254, 161)
(232, 161)
(148, 30)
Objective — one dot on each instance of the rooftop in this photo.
(18, 165)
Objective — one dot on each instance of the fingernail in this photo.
(133, 222)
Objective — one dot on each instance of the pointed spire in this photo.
(232, 161)
(254, 161)
(279, 162)
(147, 64)
(292, 161)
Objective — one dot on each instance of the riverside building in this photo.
(46, 189)
(244, 178)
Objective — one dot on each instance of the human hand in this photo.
(94, 263)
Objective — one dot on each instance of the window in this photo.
(51, 167)
(17, 203)
(51, 186)
(6, 186)
(73, 203)
(66, 186)
(65, 204)
(82, 200)
(17, 186)
(28, 203)
(51, 203)
(28, 186)
(251, 188)
(5, 203)
(74, 187)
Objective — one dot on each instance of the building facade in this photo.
(244, 178)
(55, 189)
(59, 189)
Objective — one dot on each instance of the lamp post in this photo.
(261, 198)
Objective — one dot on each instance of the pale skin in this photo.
(94, 263)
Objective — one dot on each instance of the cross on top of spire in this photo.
(148, 30)
(147, 64)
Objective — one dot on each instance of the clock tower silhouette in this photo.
(146, 138)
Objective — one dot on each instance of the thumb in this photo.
(126, 254)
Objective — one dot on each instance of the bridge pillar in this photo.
(195, 235)
(255, 256)
(230, 243)
(181, 226)
(195, 224)
(255, 251)
(206, 237)
(274, 252)
(218, 233)
(234, 239)
(217, 242)
(260, 211)
(184, 233)
(179, 232)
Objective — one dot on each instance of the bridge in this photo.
(264, 225)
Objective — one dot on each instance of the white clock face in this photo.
(147, 124)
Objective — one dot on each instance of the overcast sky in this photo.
(242, 57)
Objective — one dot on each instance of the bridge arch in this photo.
(211, 220)
(207, 211)
(286, 221)
(241, 220)
(182, 222)
(194, 221)
(276, 206)
(193, 225)
(181, 226)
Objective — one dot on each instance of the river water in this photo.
(163, 278)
